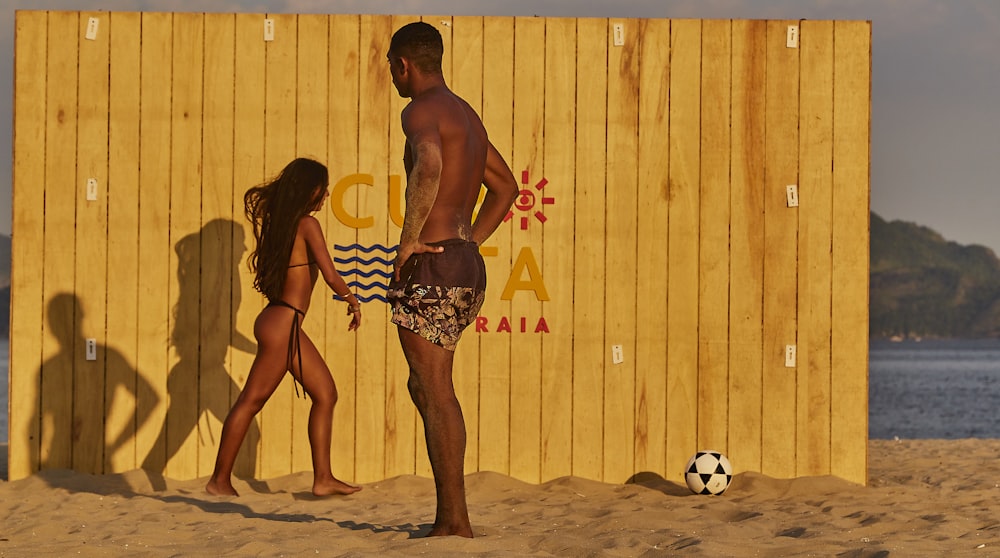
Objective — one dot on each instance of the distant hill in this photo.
(925, 286)
(4, 261)
(4, 284)
(4, 311)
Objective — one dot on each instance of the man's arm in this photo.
(422, 186)
(501, 189)
(422, 182)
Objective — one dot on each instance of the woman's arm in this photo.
(312, 234)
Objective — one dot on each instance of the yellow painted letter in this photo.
(534, 282)
(337, 201)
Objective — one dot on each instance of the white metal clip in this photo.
(92, 25)
(619, 33)
(268, 29)
(792, 37)
(792, 195)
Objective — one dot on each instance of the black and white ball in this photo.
(708, 472)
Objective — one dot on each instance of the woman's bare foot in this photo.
(332, 486)
(219, 489)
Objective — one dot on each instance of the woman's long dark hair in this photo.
(274, 209)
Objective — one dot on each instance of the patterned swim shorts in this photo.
(440, 294)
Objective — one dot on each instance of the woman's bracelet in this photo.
(352, 308)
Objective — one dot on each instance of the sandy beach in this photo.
(925, 498)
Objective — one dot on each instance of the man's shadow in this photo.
(204, 328)
(59, 428)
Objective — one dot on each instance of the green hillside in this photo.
(4, 261)
(925, 286)
(4, 284)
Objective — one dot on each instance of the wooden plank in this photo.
(466, 80)
(406, 451)
(526, 348)
(713, 281)
(815, 236)
(682, 245)
(620, 277)
(373, 149)
(651, 261)
(778, 428)
(851, 186)
(556, 260)
(248, 171)
(343, 132)
(494, 347)
(279, 150)
(422, 464)
(63, 344)
(153, 306)
(27, 308)
(311, 141)
(91, 246)
(219, 263)
(185, 255)
(746, 264)
(588, 256)
(123, 382)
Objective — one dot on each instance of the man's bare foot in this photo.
(219, 489)
(332, 487)
(446, 531)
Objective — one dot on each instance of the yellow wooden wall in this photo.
(667, 232)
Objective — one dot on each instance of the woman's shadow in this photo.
(203, 330)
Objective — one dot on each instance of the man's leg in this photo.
(433, 393)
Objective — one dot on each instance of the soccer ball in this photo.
(708, 472)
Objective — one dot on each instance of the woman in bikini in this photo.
(291, 254)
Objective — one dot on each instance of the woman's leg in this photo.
(269, 366)
(318, 384)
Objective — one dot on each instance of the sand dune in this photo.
(926, 498)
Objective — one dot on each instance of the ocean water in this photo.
(928, 389)
(934, 389)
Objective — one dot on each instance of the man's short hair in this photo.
(421, 44)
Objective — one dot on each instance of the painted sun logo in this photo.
(527, 199)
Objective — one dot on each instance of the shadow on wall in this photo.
(203, 329)
(202, 332)
(59, 430)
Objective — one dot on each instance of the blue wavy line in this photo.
(356, 259)
(364, 298)
(367, 286)
(366, 249)
(366, 274)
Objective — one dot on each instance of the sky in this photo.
(935, 85)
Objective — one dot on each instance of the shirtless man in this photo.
(439, 277)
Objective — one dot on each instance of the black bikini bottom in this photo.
(294, 344)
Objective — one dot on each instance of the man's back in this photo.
(463, 146)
